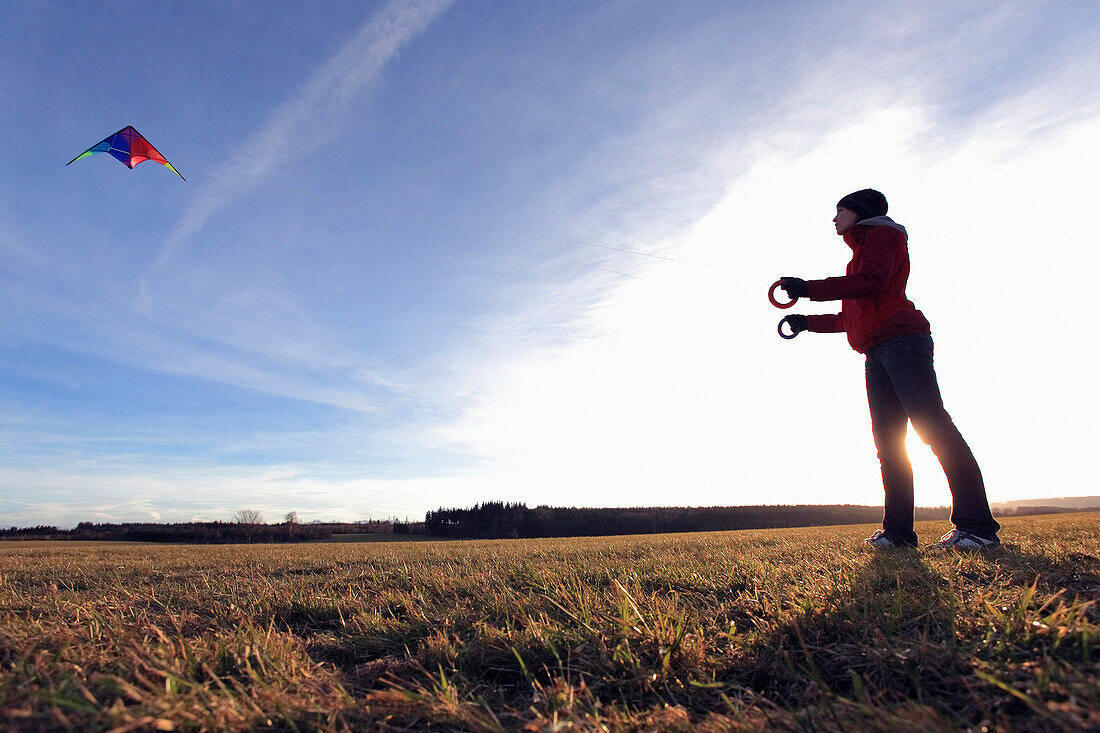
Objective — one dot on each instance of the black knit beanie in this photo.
(866, 203)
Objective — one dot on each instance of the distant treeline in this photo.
(496, 519)
(1080, 503)
(1024, 510)
(206, 532)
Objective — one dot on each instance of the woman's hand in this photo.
(795, 287)
(797, 323)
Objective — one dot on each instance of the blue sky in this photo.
(432, 253)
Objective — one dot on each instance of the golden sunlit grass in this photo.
(791, 629)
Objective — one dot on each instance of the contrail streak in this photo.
(323, 97)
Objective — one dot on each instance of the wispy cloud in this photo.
(319, 102)
(120, 493)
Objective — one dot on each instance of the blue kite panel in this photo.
(120, 142)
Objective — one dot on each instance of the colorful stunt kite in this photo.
(130, 148)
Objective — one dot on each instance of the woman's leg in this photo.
(909, 363)
(888, 425)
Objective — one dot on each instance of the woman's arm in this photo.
(825, 324)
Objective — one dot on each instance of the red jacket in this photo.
(874, 306)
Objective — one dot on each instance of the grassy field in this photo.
(800, 629)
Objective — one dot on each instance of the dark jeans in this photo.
(901, 386)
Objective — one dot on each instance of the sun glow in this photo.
(929, 483)
(685, 395)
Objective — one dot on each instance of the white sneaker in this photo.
(956, 539)
(880, 541)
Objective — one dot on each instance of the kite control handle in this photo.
(787, 320)
(776, 303)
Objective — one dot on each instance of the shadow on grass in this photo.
(889, 638)
(909, 637)
(899, 645)
(1077, 572)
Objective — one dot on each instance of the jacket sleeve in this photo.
(825, 324)
(874, 270)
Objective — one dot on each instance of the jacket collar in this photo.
(854, 236)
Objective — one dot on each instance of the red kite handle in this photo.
(781, 322)
(776, 303)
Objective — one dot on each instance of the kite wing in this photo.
(130, 148)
